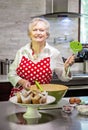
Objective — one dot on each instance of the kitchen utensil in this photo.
(39, 86)
(76, 46)
(56, 90)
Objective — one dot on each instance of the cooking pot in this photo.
(4, 66)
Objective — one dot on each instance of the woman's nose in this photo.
(38, 31)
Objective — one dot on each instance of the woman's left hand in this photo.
(69, 62)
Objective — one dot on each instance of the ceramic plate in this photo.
(50, 99)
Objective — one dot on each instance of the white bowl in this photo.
(82, 109)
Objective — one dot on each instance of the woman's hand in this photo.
(24, 83)
(69, 62)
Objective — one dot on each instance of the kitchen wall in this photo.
(15, 16)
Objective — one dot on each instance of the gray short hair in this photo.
(35, 21)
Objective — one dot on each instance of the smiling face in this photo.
(38, 32)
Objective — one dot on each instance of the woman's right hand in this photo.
(24, 83)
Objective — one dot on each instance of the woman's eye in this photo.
(41, 30)
(34, 30)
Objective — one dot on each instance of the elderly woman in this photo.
(37, 60)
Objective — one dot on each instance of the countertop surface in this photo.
(11, 118)
(73, 84)
(4, 78)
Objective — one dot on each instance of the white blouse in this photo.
(56, 62)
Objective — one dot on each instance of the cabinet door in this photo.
(5, 89)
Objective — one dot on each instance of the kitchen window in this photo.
(84, 22)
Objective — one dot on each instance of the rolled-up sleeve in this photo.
(58, 67)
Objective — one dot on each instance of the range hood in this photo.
(62, 8)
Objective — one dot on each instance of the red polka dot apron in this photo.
(32, 72)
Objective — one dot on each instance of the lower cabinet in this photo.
(5, 89)
(77, 92)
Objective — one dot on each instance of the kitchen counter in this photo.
(75, 77)
(78, 86)
(11, 118)
(3, 78)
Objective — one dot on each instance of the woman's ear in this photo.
(48, 34)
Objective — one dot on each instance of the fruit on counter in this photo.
(77, 100)
(74, 100)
